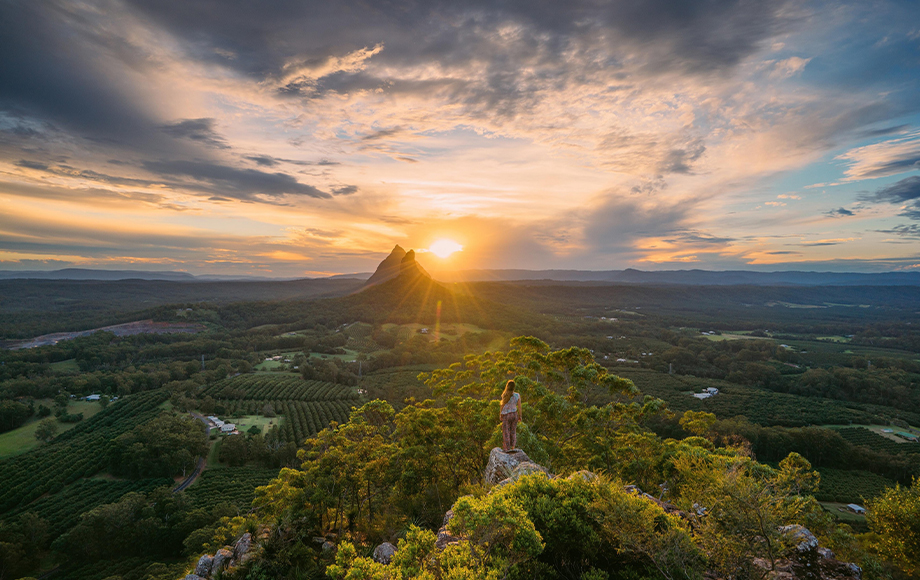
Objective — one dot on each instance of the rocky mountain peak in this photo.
(399, 263)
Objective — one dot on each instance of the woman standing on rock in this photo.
(509, 415)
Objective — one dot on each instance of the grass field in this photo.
(23, 438)
(66, 366)
(840, 511)
(247, 421)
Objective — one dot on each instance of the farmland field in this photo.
(23, 439)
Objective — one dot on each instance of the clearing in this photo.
(22, 438)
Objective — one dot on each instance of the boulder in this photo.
(384, 553)
(203, 568)
(804, 540)
(584, 474)
(527, 468)
(328, 546)
(501, 464)
(242, 545)
(221, 558)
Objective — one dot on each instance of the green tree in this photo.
(894, 517)
(46, 429)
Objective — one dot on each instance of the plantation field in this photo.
(235, 486)
(277, 386)
(873, 440)
(759, 405)
(349, 356)
(23, 439)
(124, 568)
(62, 510)
(74, 454)
(850, 486)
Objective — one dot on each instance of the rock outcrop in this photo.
(502, 464)
(384, 553)
(227, 557)
(808, 560)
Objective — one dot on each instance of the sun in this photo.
(443, 248)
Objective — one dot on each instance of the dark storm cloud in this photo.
(48, 73)
(345, 190)
(249, 36)
(228, 181)
(201, 130)
(905, 191)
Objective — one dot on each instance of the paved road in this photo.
(201, 460)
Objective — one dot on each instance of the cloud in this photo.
(789, 67)
(883, 159)
(245, 184)
(905, 191)
(905, 231)
(201, 130)
(839, 212)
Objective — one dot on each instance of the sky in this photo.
(295, 138)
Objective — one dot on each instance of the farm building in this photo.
(93, 397)
(228, 428)
(856, 509)
(702, 395)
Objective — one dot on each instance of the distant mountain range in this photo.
(392, 265)
(86, 274)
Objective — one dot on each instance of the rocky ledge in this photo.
(208, 566)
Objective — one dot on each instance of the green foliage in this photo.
(46, 430)
(894, 517)
(276, 386)
(166, 446)
(13, 414)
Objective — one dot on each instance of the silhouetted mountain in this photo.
(398, 263)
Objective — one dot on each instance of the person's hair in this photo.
(506, 394)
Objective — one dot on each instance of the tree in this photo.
(165, 446)
(698, 423)
(234, 450)
(104, 401)
(46, 429)
(254, 430)
(895, 518)
(13, 414)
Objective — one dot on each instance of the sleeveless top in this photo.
(511, 405)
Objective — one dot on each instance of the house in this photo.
(712, 390)
(856, 509)
(93, 397)
(227, 428)
(424, 331)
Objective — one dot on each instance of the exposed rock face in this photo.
(204, 565)
(384, 553)
(208, 566)
(444, 536)
(502, 464)
(242, 546)
(221, 559)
